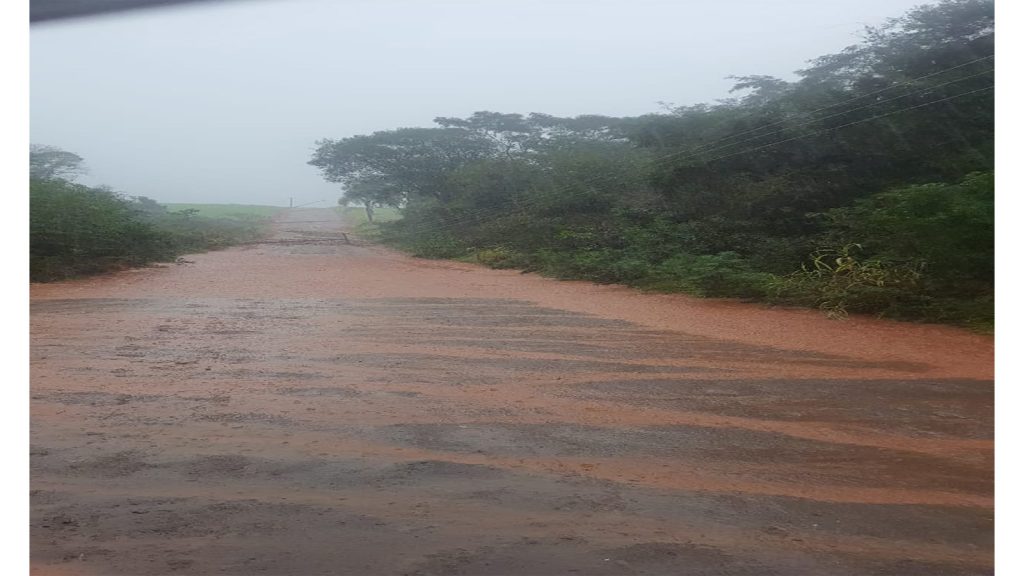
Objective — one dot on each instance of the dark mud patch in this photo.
(427, 471)
(196, 536)
(955, 526)
(571, 555)
(335, 392)
(309, 472)
(245, 418)
(502, 439)
(462, 364)
(116, 465)
(820, 461)
(212, 399)
(954, 408)
(90, 305)
(690, 559)
(225, 465)
(46, 497)
(863, 564)
(483, 304)
(272, 375)
(632, 345)
(98, 398)
(461, 312)
(182, 517)
(344, 392)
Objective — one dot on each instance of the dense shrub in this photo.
(922, 251)
(839, 282)
(725, 274)
(78, 230)
(948, 230)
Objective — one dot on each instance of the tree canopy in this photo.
(47, 162)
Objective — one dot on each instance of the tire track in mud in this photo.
(317, 408)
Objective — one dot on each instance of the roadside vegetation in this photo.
(358, 214)
(231, 211)
(78, 230)
(359, 218)
(865, 186)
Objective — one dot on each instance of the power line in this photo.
(861, 97)
(855, 122)
(814, 120)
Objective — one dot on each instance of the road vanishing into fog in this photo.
(307, 407)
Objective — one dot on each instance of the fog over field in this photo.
(223, 102)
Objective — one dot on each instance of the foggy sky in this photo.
(223, 102)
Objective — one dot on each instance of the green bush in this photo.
(602, 266)
(949, 229)
(922, 252)
(501, 257)
(77, 230)
(725, 274)
(839, 282)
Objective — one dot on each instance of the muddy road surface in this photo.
(309, 407)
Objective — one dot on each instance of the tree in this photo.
(511, 134)
(50, 162)
(371, 191)
(390, 167)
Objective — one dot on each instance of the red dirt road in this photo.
(305, 407)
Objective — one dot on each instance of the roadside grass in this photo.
(723, 275)
(232, 211)
(357, 215)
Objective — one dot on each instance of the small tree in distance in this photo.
(50, 162)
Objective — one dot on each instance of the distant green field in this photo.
(357, 214)
(237, 211)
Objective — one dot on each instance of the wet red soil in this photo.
(313, 407)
